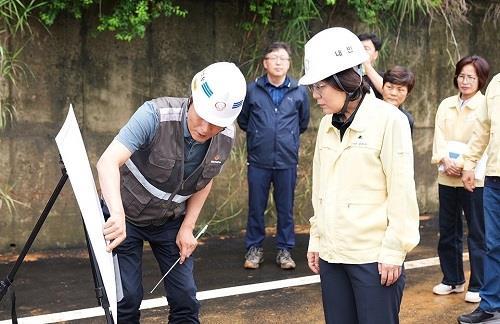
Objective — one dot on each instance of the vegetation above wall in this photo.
(288, 20)
(128, 18)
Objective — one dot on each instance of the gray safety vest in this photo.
(152, 186)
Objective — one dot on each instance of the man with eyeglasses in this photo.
(275, 112)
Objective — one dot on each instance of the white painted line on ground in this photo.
(428, 262)
(205, 295)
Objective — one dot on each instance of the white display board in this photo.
(72, 149)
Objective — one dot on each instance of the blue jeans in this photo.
(179, 284)
(490, 291)
(452, 201)
(259, 183)
(352, 294)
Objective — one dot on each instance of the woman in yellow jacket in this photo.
(455, 120)
(365, 207)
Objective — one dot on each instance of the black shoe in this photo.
(479, 316)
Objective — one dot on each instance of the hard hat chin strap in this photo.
(350, 96)
(346, 104)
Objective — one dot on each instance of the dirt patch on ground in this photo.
(49, 254)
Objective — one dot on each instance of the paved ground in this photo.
(61, 281)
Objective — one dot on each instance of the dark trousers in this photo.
(352, 294)
(452, 201)
(179, 284)
(259, 183)
(490, 291)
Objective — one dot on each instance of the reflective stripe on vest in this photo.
(150, 188)
(170, 114)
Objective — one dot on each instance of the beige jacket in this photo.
(364, 199)
(487, 132)
(454, 124)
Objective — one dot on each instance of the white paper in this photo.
(456, 149)
(72, 149)
(480, 171)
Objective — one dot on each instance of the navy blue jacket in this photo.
(273, 131)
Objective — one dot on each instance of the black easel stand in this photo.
(5, 285)
(100, 291)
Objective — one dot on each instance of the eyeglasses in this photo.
(464, 77)
(318, 87)
(277, 58)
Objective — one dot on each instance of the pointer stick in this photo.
(197, 237)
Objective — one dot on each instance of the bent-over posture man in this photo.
(155, 177)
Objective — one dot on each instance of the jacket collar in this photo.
(475, 102)
(363, 116)
(262, 80)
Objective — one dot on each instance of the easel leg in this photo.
(7, 282)
(100, 291)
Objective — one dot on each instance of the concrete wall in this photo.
(106, 80)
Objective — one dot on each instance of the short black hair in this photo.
(400, 75)
(373, 37)
(276, 46)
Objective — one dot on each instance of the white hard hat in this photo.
(218, 93)
(331, 51)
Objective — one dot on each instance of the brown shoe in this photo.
(253, 258)
(284, 260)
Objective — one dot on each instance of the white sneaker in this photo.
(472, 297)
(443, 289)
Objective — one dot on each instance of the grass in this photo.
(227, 206)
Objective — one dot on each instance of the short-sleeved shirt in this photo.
(140, 130)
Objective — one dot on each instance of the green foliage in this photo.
(14, 15)
(53, 8)
(14, 20)
(271, 20)
(369, 11)
(264, 8)
(128, 19)
(387, 12)
(7, 114)
(410, 8)
(7, 200)
(11, 68)
(290, 21)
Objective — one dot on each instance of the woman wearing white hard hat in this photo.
(365, 207)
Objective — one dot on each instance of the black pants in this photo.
(352, 294)
(452, 201)
(179, 285)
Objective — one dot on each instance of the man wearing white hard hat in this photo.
(365, 206)
(155, 177)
